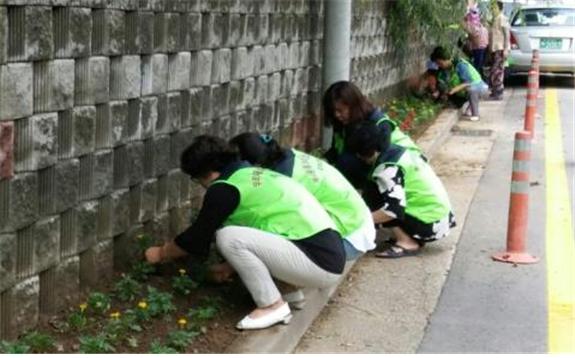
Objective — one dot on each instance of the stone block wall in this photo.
(97, 100)
(99, 97)
(376, 67)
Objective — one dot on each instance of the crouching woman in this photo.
(403, 193)
(265, 224)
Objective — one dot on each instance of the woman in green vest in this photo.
(337, 196)
(403, 193)
(460, 77)
(344, 107)
(265, 225)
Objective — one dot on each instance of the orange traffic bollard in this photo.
(535, 66)
(518, 205)
(531, 105)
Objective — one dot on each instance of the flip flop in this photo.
(395, 251)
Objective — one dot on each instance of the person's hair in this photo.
(206, 154)
(500, 5)
(258, 149)
(347, 93)
(366, 139)
(440, 53)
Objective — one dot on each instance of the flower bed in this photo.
(147, 310)
(413, 115)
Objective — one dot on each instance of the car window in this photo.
(544, 17)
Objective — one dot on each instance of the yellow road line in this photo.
(560, 246)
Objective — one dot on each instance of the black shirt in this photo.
(325, 248)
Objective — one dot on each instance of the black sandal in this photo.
(395, 251)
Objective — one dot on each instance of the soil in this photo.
(217, 333)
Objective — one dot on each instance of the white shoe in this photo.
(296, 299)
(474, 118)
(281, 314)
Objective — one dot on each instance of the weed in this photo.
(97, 344)
(77, 321)
(127, 289)
(144, 241)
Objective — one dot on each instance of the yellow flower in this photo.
(182, 272)
(143, 305)
(115, 315)
(182, 322)
(83, 307)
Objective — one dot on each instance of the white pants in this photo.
(257, 256)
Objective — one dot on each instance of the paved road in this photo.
(492, 307)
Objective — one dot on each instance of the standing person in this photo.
(478, 37)
(337, 196)
(499, 46)
(460, 77)
(403, 193)
(344, 107)
(265, 225)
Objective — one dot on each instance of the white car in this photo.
(549, 29)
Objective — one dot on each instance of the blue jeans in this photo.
(351, 253)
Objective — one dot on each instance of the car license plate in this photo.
(550, 44)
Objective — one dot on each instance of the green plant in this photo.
(157, 348)
(180, 339)
(183, 284)
(203, 313)
(97, 344)
(38, 342)
(142, 270)
(159, 302)
(118, 325)
(13, 347)
(144, 241)
(77, 321)
(430, 22)
(99, 302)
(127, 289)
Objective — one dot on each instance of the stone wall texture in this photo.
(99, 97)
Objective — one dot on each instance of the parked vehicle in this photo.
(548, 28)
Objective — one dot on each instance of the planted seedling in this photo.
(38, 342)
(99, 302)
(127, 289)
(183, 284)
(13, 347)
(180, 339)
(157, 348)
(159, 303)
(97, 344)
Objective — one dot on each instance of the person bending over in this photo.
(265, 225)
(403, 193)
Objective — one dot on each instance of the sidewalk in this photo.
(383, 306)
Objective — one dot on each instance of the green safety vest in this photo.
(338, 197)
(452, 79)
(426, 198)
(397, 136)
(274, 203)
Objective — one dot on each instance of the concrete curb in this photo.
(285, 338)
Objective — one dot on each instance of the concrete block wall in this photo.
(97, 100)
(376, 67)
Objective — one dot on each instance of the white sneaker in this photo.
(281, 314)
(474, 118)
(296, 299)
